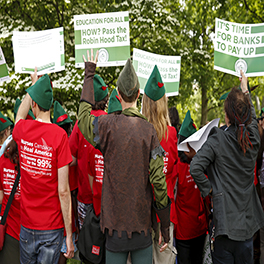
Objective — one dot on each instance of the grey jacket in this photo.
(237, 209)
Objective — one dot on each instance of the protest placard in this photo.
(239, 47)
(106, 32)
(169, 68)
(4, 75)
(197, 139)
(44, 49)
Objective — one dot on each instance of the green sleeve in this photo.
(86, 122)
(157, 178)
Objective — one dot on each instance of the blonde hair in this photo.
(157, 114)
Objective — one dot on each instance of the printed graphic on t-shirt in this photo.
(9, 177)
(99, 167)
(36, 158)
(166, 161)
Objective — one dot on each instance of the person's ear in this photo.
(138, 93)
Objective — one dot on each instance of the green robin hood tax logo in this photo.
(240, 65)
(103, 55)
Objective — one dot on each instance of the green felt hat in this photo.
(127, 81)
(224, 96)
(262, 111)
(4, 122)
(187, 127)
(114, 104)
(29, 115)
(60, 117)
(154, 88)
(41, 92)
(100, 88)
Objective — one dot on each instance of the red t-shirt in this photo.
(7, 179)
(80, 149)
(170, 160)
(190, 209)
(43, 149)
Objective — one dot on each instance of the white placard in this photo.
(41, 49)
(197, 139)
(4, 75)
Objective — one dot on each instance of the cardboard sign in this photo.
(4, 75)
(239, 47)
(169, 68)
(41, 49)
(106, 32)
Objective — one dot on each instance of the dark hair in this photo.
(238, 111)
(174, 118)
(129, 99)
(67, 127)
(261, 148)
(181, 154)
(11, 152)
(42, 109)
(101, 105)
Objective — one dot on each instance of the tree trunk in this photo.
(204, 105)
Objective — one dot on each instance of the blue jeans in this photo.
(40, 246)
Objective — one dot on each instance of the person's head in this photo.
(11, 152)
(41, 94)
(154, 104)
(61, 118)
(114, 106)
(238, 113)
(5, 128)
(174, 118)
(100, 93)
(128, 84)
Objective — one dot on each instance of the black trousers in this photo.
(190, 251)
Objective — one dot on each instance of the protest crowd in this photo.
(126, 186)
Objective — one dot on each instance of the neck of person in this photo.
(126, 105)
(43, 117)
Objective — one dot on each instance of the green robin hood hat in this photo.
(127, 81)
(60, 117)
(4, 122)
(224, 96)
(154, 88)
(41, 92)
(114, 104)
(100, 88)
(29, 115)
(187, 127)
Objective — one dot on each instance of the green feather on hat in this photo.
(114, 104)
(29, 115)
(188, 127)
(60, 117)
(41, 92)
(127, 81)
(4, 122)
(100, 88)
(154, 88)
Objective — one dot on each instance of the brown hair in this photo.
(101, 105)
(129, 99)
(11, 152)
(157, 114)
(238, 111)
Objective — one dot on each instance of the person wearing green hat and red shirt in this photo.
(155, 109)
(61, 119)
(190, 231)
(83, 151)
(133, 160)
(44, 155)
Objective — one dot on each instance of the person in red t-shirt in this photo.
(190, 208)
(155, 109)
(8, 172)
(44, 156)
